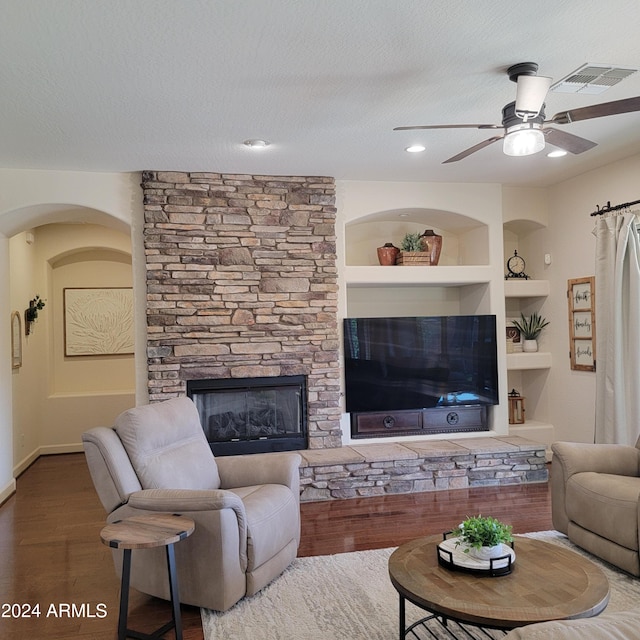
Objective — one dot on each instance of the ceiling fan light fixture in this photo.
(531, 92)
(415, 148)
(523, 140)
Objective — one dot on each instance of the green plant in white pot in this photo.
(530, 328)
(482, 537)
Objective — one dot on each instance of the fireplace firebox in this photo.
(252, 415)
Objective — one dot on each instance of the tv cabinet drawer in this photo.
(455, 418)
(387, 423)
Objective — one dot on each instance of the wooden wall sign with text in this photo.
(581, 296)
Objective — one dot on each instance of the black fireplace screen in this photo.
(252, 414)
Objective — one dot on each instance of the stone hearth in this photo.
(436, 465)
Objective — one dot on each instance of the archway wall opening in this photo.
(64, 229)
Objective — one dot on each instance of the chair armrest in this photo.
(207, 507)
(260, 468)
(576, 457)
(185, 500)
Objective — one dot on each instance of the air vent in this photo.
(592, 79)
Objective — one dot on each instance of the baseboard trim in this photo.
(47, 450)
(7, 491)
(53, 449)
(26, 462)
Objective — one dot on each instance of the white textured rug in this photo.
(349, 596)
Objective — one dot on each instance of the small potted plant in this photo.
(483, 537)
(412, 251)
(530, 327)
(31, 314)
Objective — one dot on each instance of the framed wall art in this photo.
(98, 322)
(582, 323)
(514, 339)
(16, 340)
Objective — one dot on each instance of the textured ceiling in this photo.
(127, 85)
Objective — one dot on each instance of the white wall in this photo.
(571, 243)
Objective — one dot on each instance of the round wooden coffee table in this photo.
(548, 582)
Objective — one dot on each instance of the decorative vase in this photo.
(486, 553)
(432, 244)
(387, 254)
(529, 346)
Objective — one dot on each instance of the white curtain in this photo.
(618, 329)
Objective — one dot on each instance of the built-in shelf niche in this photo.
(465, 241)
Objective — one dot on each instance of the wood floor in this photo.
(51, 555)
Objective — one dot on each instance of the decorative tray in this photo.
(456, 559)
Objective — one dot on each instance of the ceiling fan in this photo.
(524, 126)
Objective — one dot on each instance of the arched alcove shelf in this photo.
(465, 240)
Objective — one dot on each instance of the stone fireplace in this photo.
(242, 283)
(252, 415)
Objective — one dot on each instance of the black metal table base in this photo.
(433, 627)
(176, 620)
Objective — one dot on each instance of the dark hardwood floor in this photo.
(51, 554)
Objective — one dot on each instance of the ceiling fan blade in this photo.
(470, 150)
(567, 141)
(627, 105)
(530, 95)
(450, 126)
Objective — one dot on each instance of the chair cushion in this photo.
(606, 505)
(167, 446)
(272, 520)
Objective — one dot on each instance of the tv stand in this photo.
(454, 419)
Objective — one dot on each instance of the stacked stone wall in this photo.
(360, 471)
(242, 282)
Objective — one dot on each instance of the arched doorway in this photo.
(29, 200)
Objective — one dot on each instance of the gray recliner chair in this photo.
(595, 499)
(246, 508)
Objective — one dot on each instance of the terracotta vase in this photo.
(387, 254)
(432, 244)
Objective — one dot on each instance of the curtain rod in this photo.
(607, 207)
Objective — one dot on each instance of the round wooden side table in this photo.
(145, 532)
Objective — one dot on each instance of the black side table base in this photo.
(176, 621)
(156, 635)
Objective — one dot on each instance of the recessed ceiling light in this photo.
(557, 153)
(415, 148)
(255, 143)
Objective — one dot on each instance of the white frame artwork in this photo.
(98, 322)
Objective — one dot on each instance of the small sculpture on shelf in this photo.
(516, 408)
(431, 243)
(388, 254)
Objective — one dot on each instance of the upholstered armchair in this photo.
(595, 499)
(246, 508)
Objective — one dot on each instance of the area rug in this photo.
(348, 596)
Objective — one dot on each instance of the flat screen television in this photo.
(393, 364)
